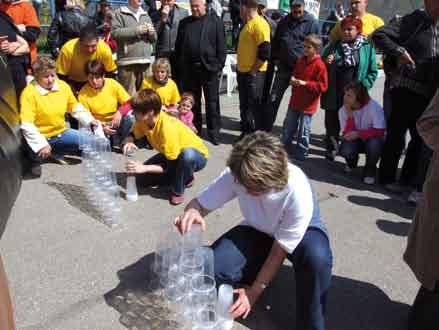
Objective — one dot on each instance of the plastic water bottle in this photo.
(225, 301)
(131, 189)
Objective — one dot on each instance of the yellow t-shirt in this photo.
(71, 60)
(254, 33)
(46, 109)
(168, 93)
(103, 103)
(170, 136)
(370, 24)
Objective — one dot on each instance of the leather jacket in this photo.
(65, 26)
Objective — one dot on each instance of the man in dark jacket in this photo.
(200, 51)
(287, 47)
(66, 25)
(166, 23)
(413, 41)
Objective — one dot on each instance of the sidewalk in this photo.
(68, 271)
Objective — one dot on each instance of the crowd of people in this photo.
(98, 78)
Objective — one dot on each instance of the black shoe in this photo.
(330, 155)
(35, 171)
(213, 138)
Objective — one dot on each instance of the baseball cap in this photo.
(297, 3)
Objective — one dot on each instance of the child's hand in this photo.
(115, 121)
(351, 136)
(135, 167)
(330, 59)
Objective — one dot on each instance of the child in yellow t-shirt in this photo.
(162, 84)
(106, 99)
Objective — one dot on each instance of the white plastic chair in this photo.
(230, 74)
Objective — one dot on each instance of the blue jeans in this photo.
(124, 129)
(64, 143)
(297, 120)
(240, 253)
(179, 172)
(373, 147)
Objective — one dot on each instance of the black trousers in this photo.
(195, 78)
(332, 127)
(250, 101)
(424, 312)
(407, 107)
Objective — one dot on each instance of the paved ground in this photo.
(68, 271)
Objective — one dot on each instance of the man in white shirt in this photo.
(281, 220)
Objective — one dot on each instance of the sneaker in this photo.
(414, 197)
(396, 188)
(60, 160)
(369, 180)
(176, 200)
(36, 171)
(347, 169)
(190, 183)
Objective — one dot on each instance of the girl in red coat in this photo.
(309, 81)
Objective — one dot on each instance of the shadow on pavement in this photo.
(390, 205)
(351, 304)
(77, 197)
(394, 228)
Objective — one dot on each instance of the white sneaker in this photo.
(414, 197)
(369, 180)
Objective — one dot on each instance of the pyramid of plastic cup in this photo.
(100, 180)
(185, 273)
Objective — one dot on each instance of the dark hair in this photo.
(250, 3)
(351, 20)
(145, 101)
(361, 92)
(95, 68)
(189, 97)
(88, 33)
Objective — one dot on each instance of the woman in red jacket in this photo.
(309, 81)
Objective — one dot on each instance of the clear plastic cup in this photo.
(207, 254)
(207, 319)
(192, 239)
(203, 292)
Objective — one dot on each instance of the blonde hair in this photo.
(259, 163)
(41, 65)
(162, 63)
(314, 40)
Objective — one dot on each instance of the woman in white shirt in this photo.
(281, 220)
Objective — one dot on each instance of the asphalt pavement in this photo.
(69, 271)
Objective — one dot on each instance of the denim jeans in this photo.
(178, 172)
(241, 252)
(372, 147)
(297, 120)
(64, 143)
(124, 129)
(250, 100)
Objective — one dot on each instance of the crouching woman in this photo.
(44, 103)
(180, 151)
